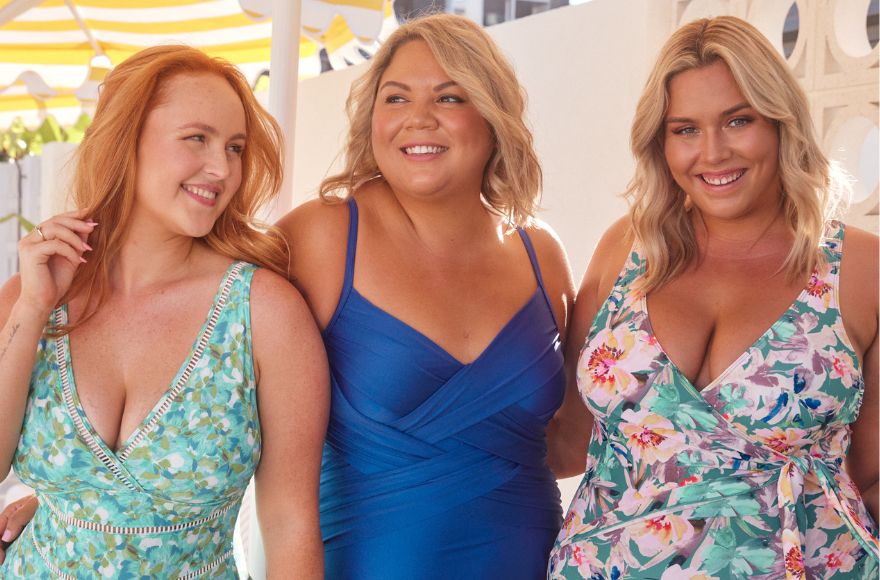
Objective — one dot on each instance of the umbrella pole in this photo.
(284, 74)
(283, 78)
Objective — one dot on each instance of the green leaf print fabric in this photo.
(164, 504)
(743, 479)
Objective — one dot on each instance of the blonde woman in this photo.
(724, 341)
(148, 367)
(442, 303)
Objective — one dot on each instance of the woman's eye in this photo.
(739, 122)
(450, 99)
(199, 138)
(394, 99)
(684, 131)
(236, 149)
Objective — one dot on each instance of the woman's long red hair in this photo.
(107, 160)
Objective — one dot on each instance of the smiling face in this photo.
(721, 152)
(427, 137)
(189, 155)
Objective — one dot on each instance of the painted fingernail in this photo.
(7, 536)
(87, 247)
(83, 260)
(91, 223)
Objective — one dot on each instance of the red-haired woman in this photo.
(152, 357)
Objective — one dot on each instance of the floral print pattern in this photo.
(164, 504)
(743, 479)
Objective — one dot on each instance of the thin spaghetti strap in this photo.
(832, 243)
(527, 242)
(350, 250)
(533, 258)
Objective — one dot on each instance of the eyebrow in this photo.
(724, 113)
(209, 130)
(406, 87)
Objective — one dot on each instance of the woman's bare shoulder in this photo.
(548, 246)
(610, 255)
(315, 221)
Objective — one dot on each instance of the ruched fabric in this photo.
(433, 468)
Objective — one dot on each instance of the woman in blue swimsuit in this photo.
(443, 303)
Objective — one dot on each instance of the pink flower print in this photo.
(843, 368)
(655, 535)
(607, 365)
(794, 563)
(839, 557)
(602, 361)
(847, 488)
(818, 292)
(573, 519)
(584, 557)
(650, 438)
(827, 517)
(635, 501)
(784, 441)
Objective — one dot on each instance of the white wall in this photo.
(583, 68)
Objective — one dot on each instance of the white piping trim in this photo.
(136, 530)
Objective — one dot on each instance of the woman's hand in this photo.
(49, 257)
(13, 519)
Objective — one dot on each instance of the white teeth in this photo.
(423, 149)
(724, 180)
(199, 191)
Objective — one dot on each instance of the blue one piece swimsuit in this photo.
(434, 468)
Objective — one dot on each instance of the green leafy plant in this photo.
(18, 141)
(25, 224)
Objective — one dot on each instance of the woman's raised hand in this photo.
(49, 257)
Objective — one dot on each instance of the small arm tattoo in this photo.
(12, 332)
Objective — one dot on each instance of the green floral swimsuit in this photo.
(164, 504)
(743, 479)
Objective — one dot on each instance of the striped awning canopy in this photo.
(54, 53)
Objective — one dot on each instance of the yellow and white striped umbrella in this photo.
(54, 53)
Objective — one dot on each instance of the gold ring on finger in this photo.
(39, 231)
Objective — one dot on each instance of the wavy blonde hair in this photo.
(813, 188)
(104, 182)
(512, 177)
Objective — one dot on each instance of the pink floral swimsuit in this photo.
(743, 479)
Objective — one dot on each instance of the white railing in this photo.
(20, 194)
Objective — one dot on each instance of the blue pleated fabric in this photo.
(433, 468)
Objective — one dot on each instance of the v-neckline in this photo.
(74, 403)
(741, 358)
(433, 344)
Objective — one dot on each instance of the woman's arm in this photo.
(569, 431)
(22, 325)
(48, 258)
(294, 398)
(862, 463)
(859, 288)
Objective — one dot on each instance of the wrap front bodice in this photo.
(434, 468)
(164, 504)
(742, 479)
